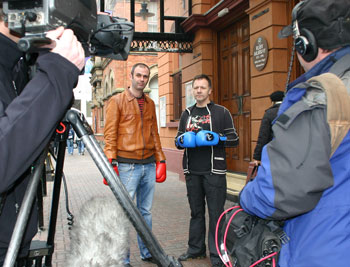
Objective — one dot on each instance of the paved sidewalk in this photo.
(170, 211)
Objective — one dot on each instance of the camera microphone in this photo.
(100, 235)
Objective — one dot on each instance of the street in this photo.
(170, 211)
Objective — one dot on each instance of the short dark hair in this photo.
(277, 96)
(139, 65)
(200, 77)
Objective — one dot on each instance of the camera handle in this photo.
(35, 43)
(85, 133)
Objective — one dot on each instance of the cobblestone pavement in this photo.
(170, 211)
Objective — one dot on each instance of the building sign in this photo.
(162, 111)
(190, 101)
(260, 53)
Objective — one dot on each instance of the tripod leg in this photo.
(24, 212)
(39, 195)
(55, 199)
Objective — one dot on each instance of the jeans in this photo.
(139, 180)
(81, 147)
(70, 146)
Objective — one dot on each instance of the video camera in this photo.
(101, 35)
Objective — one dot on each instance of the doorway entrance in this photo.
(234, 88)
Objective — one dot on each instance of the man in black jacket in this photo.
(29, 113)
(202, 132)
(265, 131)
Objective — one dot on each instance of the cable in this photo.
(290, 67)
(227, 227)
(224, 258)
(216, 237)
(265, 258)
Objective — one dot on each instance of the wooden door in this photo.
(234, 88)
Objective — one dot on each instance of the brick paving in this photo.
(170, 211)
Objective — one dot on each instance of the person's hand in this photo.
(68, 46)
(257, 162)
(115, 167)
(160, 171)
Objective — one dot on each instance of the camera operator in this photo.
(29, 113)
(304, 177)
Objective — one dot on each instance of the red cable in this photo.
(216, 235)
(265, 258)
(227, 227)
(225, 236)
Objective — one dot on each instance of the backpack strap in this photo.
(341, 66)
(338, 106)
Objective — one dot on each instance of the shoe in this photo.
(187, 256)
(149, 259)
(218, 264)
(127, 265)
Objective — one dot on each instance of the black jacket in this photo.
(221, 123)
(28, 117)
(265, 132)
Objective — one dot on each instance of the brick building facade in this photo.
(236, 44)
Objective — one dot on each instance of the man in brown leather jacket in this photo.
(133, 145)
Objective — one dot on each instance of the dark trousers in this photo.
(201, 189)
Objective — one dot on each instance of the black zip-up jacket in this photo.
(265, 131)
(29, 113)
(221, 122)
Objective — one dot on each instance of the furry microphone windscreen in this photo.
(100, 235)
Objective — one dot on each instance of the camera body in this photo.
(101, 35)
(45, 15)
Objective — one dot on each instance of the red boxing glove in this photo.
(160, 172)
(115, 169)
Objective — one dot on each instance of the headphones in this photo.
(304, 40)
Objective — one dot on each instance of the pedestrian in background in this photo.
(133, 146)
(205, 129)
(265, 131)
(70, 141)
(81, 146)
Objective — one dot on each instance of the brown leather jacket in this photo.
(129, 135)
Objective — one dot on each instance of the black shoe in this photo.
(187, 256)
(127, 265)
(149, 259)
(218, 264)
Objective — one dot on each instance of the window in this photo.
(105, 91)
(153, 20)
(112, 86)
(88, 108)
(102, 120)
(177, 94)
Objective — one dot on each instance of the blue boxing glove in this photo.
(209, 138)
(187, 139)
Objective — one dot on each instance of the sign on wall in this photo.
(260, 53)
(162, 111)
(189, 95)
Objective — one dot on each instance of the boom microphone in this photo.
(99, 237)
